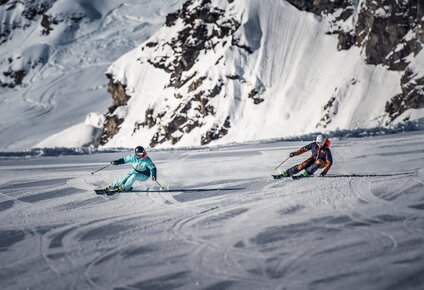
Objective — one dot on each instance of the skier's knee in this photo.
(320, 163)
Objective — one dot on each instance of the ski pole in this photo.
(101, 168)
(160, 185)
(282, 163)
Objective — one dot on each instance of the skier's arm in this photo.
(328, 163)
(118, 162)
(301, 150)
(126, 159)
(152, 168)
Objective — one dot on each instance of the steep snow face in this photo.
(53, 55)
(217, 71)
(254, 70)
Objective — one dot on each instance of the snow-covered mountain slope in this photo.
(53, 56)
(224, 71)
(204, 72)
(223, 223)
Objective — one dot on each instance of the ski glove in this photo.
(322, 174)
(154, 178)
(117, 162)
(291, 154)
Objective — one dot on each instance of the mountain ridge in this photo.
(206, 72)
(333, 16)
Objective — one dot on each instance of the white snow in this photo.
(417, 64)
(88, 131)
(221, 223)
(72, 83)
(382, 12)
(295, 66)
(411, 114)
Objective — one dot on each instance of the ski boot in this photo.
(304, 174)
(120, 189)
(109, 188)
(278, 176)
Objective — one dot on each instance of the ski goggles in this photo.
(140, 154)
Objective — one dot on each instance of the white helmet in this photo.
(320, 140)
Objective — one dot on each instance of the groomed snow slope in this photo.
(294, 66)
(222, 223)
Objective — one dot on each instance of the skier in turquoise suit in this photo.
(142, 167)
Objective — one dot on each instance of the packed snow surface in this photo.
(222, 222)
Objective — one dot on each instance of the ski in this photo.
(105, 191)
(301, 176)
(278, 176)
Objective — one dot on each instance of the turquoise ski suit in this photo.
(141, 169)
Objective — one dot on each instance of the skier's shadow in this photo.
(190, 194)
(369, 175)
(191, 189)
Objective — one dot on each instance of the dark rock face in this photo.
(393, 35)
(254, 95)
(47, 23)
(205, 29)
(328, 113)
(112, 122)
(111, 128)
(412, 96)
(381, 29)
(32, 12)
(35, 13)
(16, 78)
(320, 7)
(390, 33)
(174, 126)
(193, 39)
(216, 133)
(346, 40)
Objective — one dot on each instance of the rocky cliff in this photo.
(35, 18)
(389, 33)
(197, 29)
(244, 70)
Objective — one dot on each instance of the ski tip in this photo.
(100, 191)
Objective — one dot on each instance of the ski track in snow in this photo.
(221, 223)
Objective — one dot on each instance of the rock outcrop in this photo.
(205, 29)
(203, 36)
(390, 33)
(112, 120)
(22, 15)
